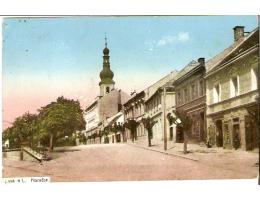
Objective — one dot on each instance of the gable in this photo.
(233, 51)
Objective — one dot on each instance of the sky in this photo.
(44, 58)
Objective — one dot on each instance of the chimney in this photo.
(238, 32)
(202, 61)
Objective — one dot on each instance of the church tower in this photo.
(106, 75)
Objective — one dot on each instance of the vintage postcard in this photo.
(130, 98)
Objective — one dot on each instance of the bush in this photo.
(70, 141)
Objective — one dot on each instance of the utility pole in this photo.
(164, 119)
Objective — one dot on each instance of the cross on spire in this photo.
(105, 39)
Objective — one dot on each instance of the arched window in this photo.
(107, 90)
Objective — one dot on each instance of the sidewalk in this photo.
(219, 157)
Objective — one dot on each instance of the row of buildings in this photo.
(211, 102)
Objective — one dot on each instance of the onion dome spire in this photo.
(106, 75)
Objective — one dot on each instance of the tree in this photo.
(94, 136)
(148, 125)
(184, 123)
(60, 118)
(23, 130)
(118, 127)
(100, 135)
(105, 133)
(131, 124)
(8, 135)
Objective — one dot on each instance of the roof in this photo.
(166, 85)
(113, 119)
(187, 69)
(91, 105)
(152, 89)
(219, 58)
(136, 96)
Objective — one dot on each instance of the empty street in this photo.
(125, 162)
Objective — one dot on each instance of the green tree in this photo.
(60, 118)
(131, 124)
(8, 135)
(148, 125)
(184, 123)
(120, 128)
(23, 130)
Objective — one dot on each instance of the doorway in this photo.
(219, 135)
(202, 125)
(171, 133)
(236, 136)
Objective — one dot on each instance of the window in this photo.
(234, 86)
(107, 90)
(157, 103)
(236, 120)
(186, 95)
(253, 79)
(193, 94)
(201, 88)
(179, 98)
(216, 93)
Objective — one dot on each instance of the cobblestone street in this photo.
(128, 162)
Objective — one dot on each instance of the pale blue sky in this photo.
(49, 57)
(74, 44)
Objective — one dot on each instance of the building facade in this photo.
(158, 106)
(231, 81)
(152, 103)
(191, 100)
(134, 110)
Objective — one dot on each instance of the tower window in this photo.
(107, 90)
